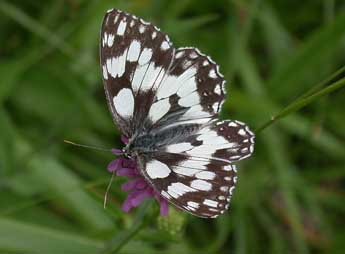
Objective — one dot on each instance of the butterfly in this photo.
(167, 101)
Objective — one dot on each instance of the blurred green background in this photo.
(290, 196)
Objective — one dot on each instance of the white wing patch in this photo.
(151, 77)
(105, 72)
(116, 65)
(110, 41)
(189, 87)
(206, 175)
(199, 164)
(193, 204)
(124, 103)
(122, 28)
(171, 84)
(178, 148)
(165, 45)
(195, 112)
(139, 75)
(210, 202)
(159, 109)
(185, 171)
(201, 185)
(217, 89)
(134, 51)
(145, 56)
(189, 100)
(157, 169)
(211, 142)
(178, 189)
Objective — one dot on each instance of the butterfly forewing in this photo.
(193, 90)
(135, 57)
(148, 83)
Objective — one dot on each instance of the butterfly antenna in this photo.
(87, 146)
(108, 189)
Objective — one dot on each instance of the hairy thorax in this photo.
(149, 141)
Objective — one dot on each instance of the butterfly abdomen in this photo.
(152, 142)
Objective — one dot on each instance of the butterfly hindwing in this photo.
(224, 140)
(197, 173)
(201, 187)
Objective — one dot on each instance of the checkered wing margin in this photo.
(197, 174)
(151, 85)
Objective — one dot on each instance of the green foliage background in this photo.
(290, 196)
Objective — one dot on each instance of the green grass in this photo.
(284, 64)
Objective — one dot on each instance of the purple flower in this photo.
(136, 186)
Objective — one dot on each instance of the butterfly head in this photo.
(126, 152)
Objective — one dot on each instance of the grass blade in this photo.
(300, 103)
(21, 237)
(124, 237)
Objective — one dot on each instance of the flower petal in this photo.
(164, 205)
(114, 165)
(124, 139)
(116, 151)
(139, 197)
(141, 185)
(129, 164)
(139, 188)
(131, 184)
(126, 172)
(127, 205)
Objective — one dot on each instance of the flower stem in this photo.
(114, 245)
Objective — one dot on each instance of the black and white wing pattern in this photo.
(198, 174)
(135, 57)
(192, 92)
(148, 83)
(174, 95)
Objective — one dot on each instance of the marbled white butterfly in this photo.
(166, 100)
